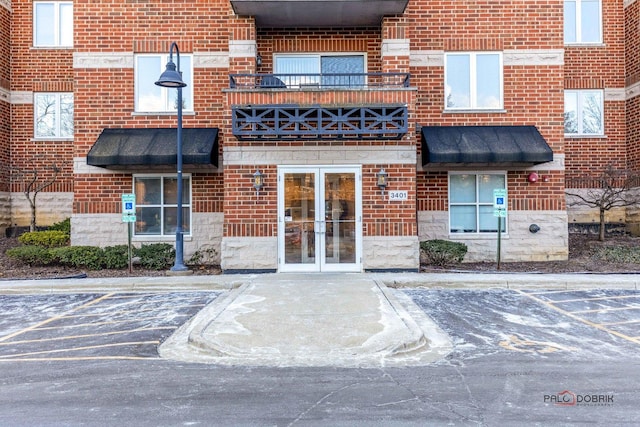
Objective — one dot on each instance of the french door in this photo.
(319, 219)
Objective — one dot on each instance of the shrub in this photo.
(156, 256)
(64, 225)
(32, 255)
(622, 255)
(90, 257)
(116, 257)
(203, 256)
(443, 252)
(45, 239)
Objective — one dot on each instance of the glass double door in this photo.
(319, 219)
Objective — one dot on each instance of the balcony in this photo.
(370, 106)
(331, 81)
(318, 13)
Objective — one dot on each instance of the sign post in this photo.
(499, 211)
(129, 216)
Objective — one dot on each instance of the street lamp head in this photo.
(171, 78)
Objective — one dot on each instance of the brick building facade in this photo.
(452, 100)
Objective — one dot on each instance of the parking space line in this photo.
(92, 347)
(625, 322)
(72, 337)
(112, 322)
(597, 298)
(598, 326)
(53, 319)
(604, 310)
(113, 313)
(562, 291)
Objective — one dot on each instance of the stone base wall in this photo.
(5, 211)
(50, 208)
(391, 253)
(249, 253)
(550, 243)
(109, 230)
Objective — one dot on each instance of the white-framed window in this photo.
(582, 21)
(53, 113)
(150, 98)
(157, 204)
(53, 24)
(337, 69)
(583, 112)
(471, 201)
(473, 80)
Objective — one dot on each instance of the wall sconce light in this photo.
(545, 178)
(533, 177)
(258, 61)
(382, 180)
(258, 181)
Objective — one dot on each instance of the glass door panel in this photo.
(340, 218)
(300, 218)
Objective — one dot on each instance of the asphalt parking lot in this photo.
(92, 326)
(570, 324)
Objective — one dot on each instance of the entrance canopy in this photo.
(118, 148)
(512, 145)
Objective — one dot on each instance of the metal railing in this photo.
(320, 81)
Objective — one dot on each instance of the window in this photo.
(473, 80)
(151, 98)
(471, 202)
(583, 21)
(156, 205)
(583, 112)
(337, 70)
(53, 115)
(53, 24)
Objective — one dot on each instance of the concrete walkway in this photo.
(310, 320)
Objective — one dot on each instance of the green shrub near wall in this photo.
(443, 252)
(45, 239)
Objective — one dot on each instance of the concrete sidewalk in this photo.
(308, 320)
(477, 280)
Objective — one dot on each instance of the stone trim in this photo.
(103, 60)
(614, 94)
(531, 57)
(5, 95)
(390, 252)
(632, 91)
(21, 97)
(211, 60)
(395, 47)
(628, 3)
(80, 167)
(249, 253)
(242, 48)
(237, 155)
(6, 4)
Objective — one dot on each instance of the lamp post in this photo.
(172, 78)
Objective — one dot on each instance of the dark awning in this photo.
(522, 145)
(116, 148)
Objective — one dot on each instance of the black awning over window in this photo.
(522, 145)
(116, 148)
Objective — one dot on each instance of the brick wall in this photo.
(599, 67)
(533, 94)
(632, 80)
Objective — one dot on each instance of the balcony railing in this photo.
(332, 81)
(286, 122)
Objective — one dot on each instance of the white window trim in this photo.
(475, 234)
(166, 92)
(57, 136)
(579, 27)
(162, 236)
(473, 84)
(579, 134)
(56, 22)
